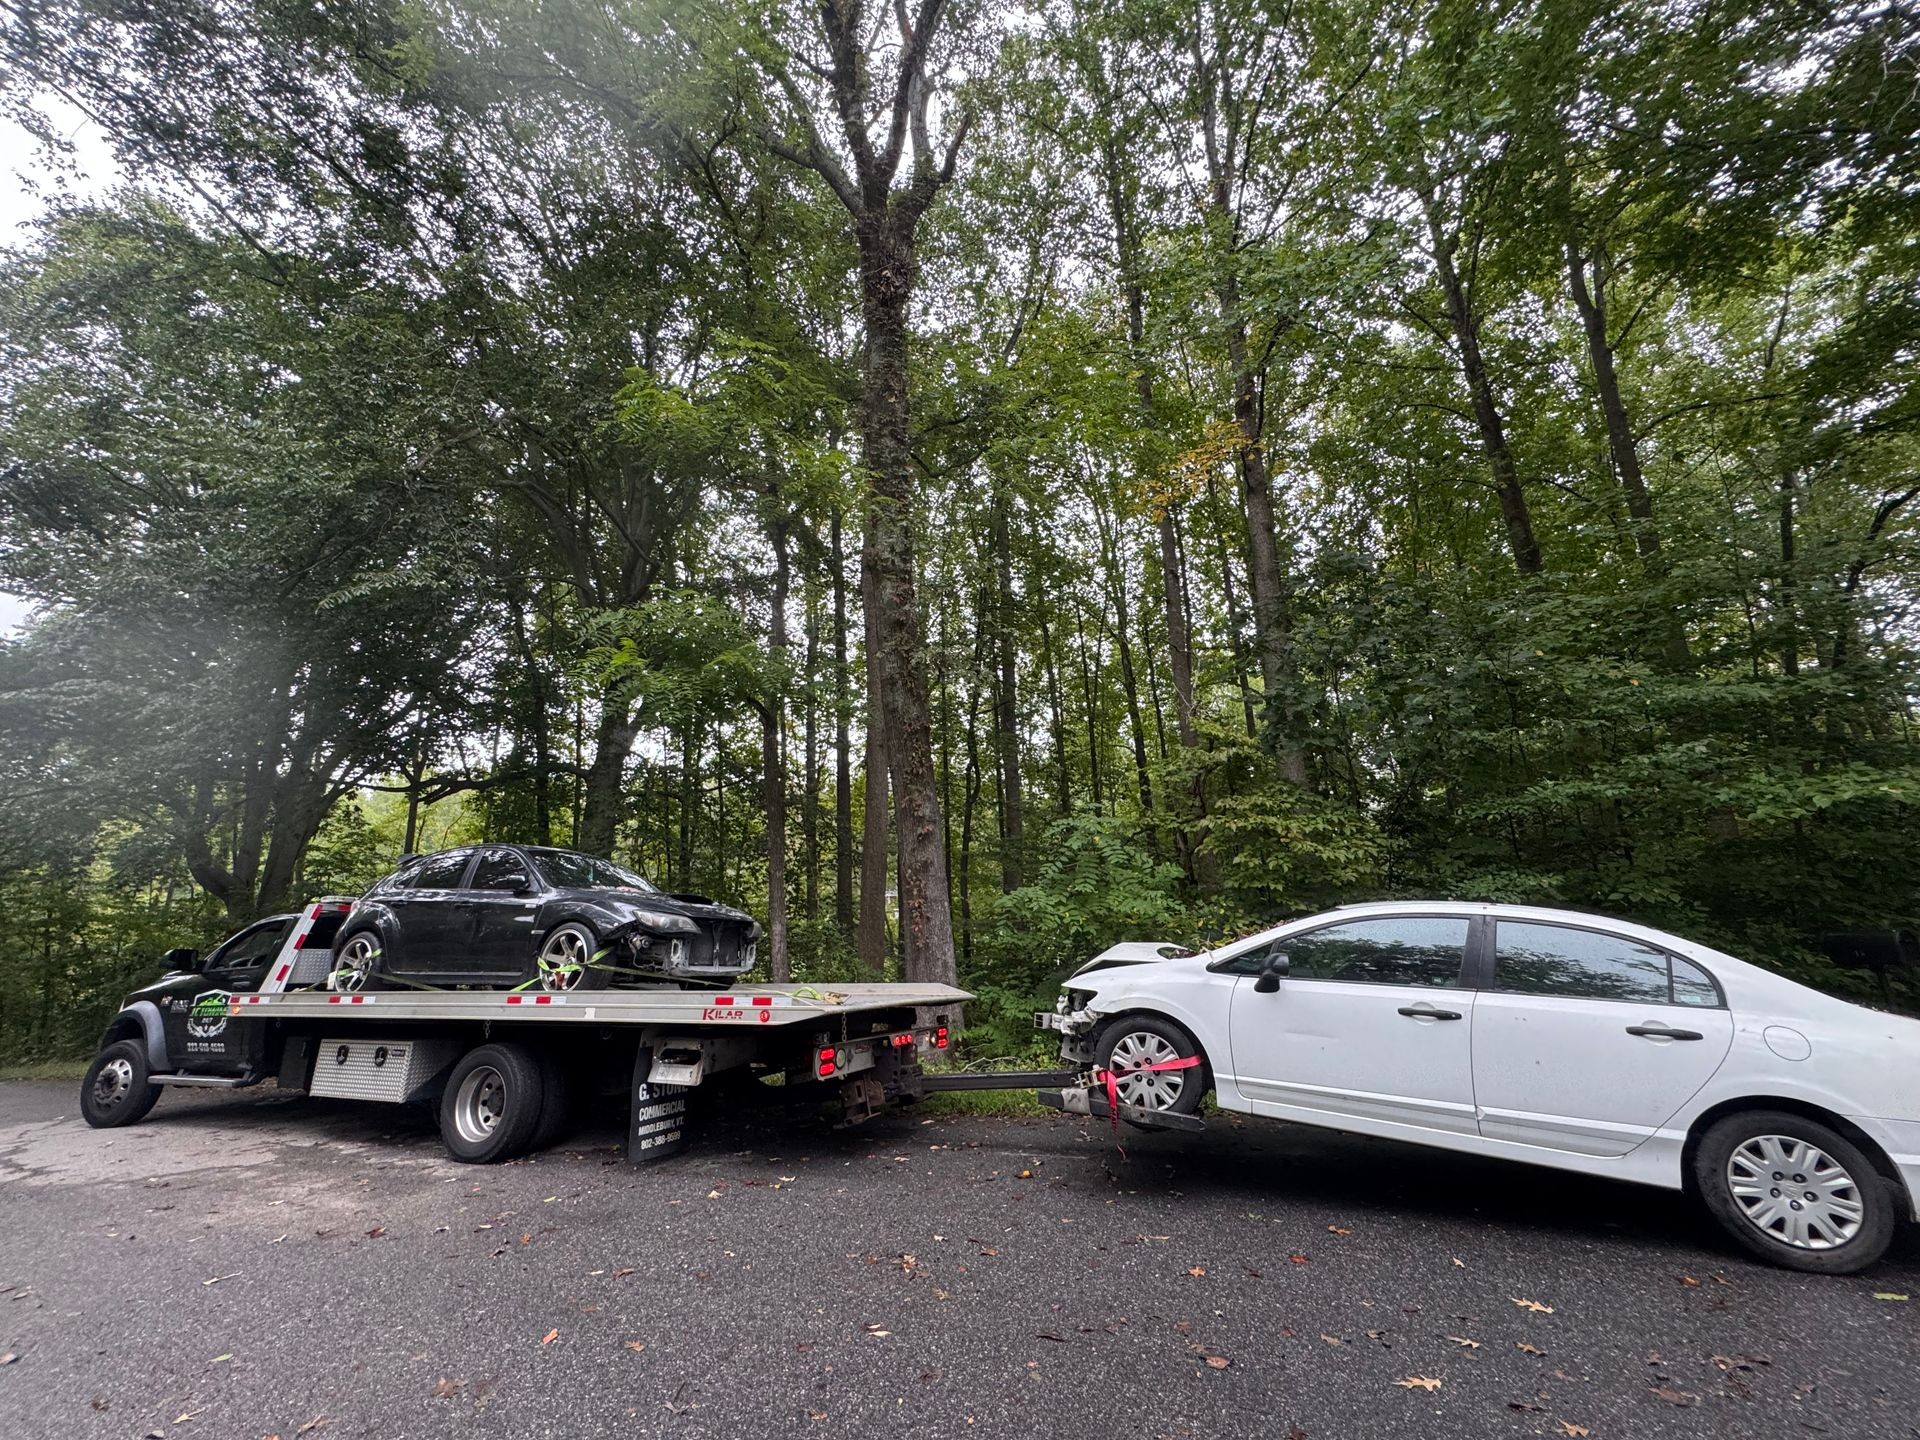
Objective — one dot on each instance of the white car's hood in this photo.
(1134, 952)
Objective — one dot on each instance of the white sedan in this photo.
(1544, 1036)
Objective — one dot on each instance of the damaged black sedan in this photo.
(537, 917)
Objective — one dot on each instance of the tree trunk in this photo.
(874, 839)
(810, 763)
(842, 755)
(1591, 302)
(602, 798)
(774, 766)
(1006, 706)
(1056, 709)
(895, 630)
(1486, 406)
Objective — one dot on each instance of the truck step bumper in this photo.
(1079, 1100)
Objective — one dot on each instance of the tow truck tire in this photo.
(492, 1104)
(116, 1090)
(556, 1101)
(1133, 1041)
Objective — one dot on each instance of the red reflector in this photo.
(723, 1000)
(763, 999)
(281, 973)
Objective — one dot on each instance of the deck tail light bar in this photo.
(824, 1061)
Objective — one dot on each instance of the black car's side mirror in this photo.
(1271, 970)
(181, 958)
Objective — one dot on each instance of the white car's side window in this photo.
(1389, 950)
(1537, 959)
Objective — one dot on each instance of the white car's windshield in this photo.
(569, 871)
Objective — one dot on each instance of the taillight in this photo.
(940, 1038)
(901, 1042)
(824, 1061)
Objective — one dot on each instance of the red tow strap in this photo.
(1111, 1079)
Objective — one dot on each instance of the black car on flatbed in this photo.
(534, 916)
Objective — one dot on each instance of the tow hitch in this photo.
(1089, 1100)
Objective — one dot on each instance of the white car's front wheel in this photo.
(1795, 1192)
(1143, 1054)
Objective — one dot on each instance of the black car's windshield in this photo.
(568, 871)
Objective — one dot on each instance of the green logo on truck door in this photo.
(208, 1016)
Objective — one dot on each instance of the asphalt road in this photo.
(255, 1265)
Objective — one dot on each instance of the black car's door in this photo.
(427, 910)
(504, 899)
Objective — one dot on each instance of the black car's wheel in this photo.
(356, 963)
(492, 1104)
(1795, 1192)
(116, 1090)
(1143, 1053)
(571, 958)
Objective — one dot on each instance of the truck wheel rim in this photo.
(563, 961)
(356, 961)
(113, 1083)
(1792, 1191)
(1150, 1090)
(479, 1104)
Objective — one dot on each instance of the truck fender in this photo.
(141, 1020)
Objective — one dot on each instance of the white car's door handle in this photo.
(1664, 1032)
(1427, 1012)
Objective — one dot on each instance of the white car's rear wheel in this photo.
(1795, 1192)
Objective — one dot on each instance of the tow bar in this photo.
(1089, 1100)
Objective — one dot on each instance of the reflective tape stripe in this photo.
(536, 999)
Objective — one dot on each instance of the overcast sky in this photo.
(27, 184)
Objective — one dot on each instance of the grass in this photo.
(60, 1069)
(980, 1102)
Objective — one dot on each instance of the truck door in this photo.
(200, 1035)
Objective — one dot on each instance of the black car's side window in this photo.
(441, 872)
(1390, 950)
(498, 870)
(1534, 959)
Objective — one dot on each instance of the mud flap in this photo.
(657, 1121)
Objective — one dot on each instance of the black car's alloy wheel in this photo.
(570, 959)
(354, 964)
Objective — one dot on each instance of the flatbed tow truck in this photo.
(504, 1068)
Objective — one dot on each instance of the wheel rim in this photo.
(355, 963)
(562, 964)
(1150, 1090)
(113, 1084)
(479, 1103)
(1792, 1191)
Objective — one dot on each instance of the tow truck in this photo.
(502, 1068)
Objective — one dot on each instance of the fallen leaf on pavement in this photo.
(1567, 1427)
(8, 1358)
(1418, 1382)
(314, 1424)
(878, 1332)
(1336, 1230)
(551, 1336)
(376, 1232)
(1533, 1305)
(1218, 1362)
(1333, 1339)
(1299, 1259)
(636, 1346)
(1674, 1397)
(1463, 1340)
(445, 1388)
(1197, 1271)
(619, 1273)
(1887, 1295)
(1528, 1349)
(184, 1416)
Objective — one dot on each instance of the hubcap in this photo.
(1150, 1090)
(113, 1083)
(1793, 1191)
(563, 960)
(479, 1103)
(350, 971)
